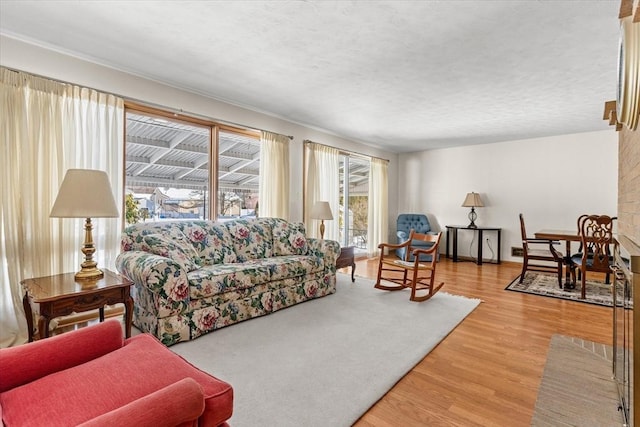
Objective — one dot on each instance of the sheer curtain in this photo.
(274, 176)
(47, 128)
(322, 183)
(378, 206)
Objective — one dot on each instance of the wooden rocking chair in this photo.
(416, 275)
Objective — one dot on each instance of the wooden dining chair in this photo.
(540, 250)
(578, 255)
(596, 239)
(417, 275)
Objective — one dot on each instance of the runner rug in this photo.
(576, 387)
(547, 285)
(325, 362)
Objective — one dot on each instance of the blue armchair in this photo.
(418, 222)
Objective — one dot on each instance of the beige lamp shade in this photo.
(85, 193)
(472, 200)
(321, 210)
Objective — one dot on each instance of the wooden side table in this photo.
(61, 295)
(347, 259)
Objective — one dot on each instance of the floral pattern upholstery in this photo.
(179, 250)
(288, 238)
(252, 239)
(209, 275)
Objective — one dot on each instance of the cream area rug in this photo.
(325, 362)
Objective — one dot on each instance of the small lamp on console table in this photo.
(85, 193)
(321, 210)
(472, 201)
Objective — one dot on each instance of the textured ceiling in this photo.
(401, 75)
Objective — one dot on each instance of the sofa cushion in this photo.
(251, 239)
(212, 241)
(173, 245)
(289, 238)
(215, 279)
(142, 366)
(284, 267)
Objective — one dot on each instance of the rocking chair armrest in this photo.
(431, 250)
(393, 245)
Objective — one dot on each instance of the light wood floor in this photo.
(487, 371)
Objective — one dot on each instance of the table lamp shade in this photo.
(321, 210)
(85, 193)
(472, 200)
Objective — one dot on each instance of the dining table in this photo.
(568, 236)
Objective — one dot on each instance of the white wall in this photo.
(550, 180)
(47, 63)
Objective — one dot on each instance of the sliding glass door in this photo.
(354, 199)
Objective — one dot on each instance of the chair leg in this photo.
(414, 283)
(525, 263)
(433, 289)
(560, 275)
(583, 289)
(379, 271)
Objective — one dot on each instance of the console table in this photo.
(452, 235)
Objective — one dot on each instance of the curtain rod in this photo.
(346, 151)
(150, 104)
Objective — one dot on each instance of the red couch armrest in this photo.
(180, 403)
(25, 363)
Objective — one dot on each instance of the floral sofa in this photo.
(192, 277)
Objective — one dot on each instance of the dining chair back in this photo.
(543, 254)
(596, 238)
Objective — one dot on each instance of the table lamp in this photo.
(321, 210)
(472, 201)
(85, 193)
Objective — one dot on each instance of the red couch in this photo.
(93, 377)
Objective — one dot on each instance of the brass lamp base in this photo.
(89, 270)
(321, 229)
(89, 274)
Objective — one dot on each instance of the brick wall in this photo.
(629, 183)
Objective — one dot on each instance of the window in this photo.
(168, 168)
(238, 175)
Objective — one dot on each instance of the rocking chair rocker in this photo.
(416, 275)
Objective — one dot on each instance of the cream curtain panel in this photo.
(48, 127)
(322, 184)
(378, 206)
(274, 176)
